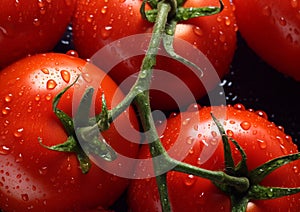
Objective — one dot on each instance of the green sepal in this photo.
(258, 192)
(81, 118)
(239, 203)
(258, 174)
(103, 119)
(241, 168)
(71, 145)
(229, 162)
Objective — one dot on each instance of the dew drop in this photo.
(36, 22)
(90, 18)
(198, 31)
(190, 180)
(43, 170)
(230, 133)
(186, 121)
(245, 125)
(19, 158)
(262, 114)
(189, 140)
(5, 110)
(262, 143)
(282, 21)
(4, 150)
(37, 98)
(296, 169)
(87, 77)
(222, 37)
(106, 31)
(294, 3)
(51, 84)
(45, 70)
(25, 197)
(283, 149)
(18, 132)
(227, 21)
(267, 11)
(65, 75)
(8, 98)
(239, 107)
(48, 96)
(103, 9)
(122, 1)
(72, 53)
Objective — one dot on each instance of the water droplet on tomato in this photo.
(51, 84)
(262, 114)
(106, 31)
(294, 3)
(45, 70)
(239, 107)
(36, 22)
(296, 169)
(103, 9)
(283, 149)
(190, 180)
(43, 170)
(19, 158)
(89, 18)
(230, 133)
(245, 125)
(122, 1)
(37, 98)
(5, 110)
(25, 197)
(282, 21)
(87, 77)
(189, 140)
(48, 97)
(18, 132)
(72, 53)
(227, 21)
(267, 11)
(4, 150)
(198, 31)
(186, 121)
(262, 143)
(65, 75)
(8, 98)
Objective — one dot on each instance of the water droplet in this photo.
(230, 133)
(198, 31)
(227, 21)
(239, 107)
(43, 170)
(103, 9)
(186, 121)
(282, 21)
(19, 158)
(190, 180)
(267, 11)
(222, 37)
(51, 84)
(18, 132)
(106, 31)
(36, 22)
(65, 75)
(262, 143)
(48, 96)
(4, 150)
(296, 169)
(294, 3)
(8, 98)
(245, 125)
(37, 98)
(45, 70)
(283, 149)
(25, 197)
(190, 140)
(90, 18)
(5, 110)
(72, 53)
(262, 114)
(87, 77)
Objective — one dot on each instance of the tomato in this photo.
(31, 26)
(196, 132)
(36, 178)
(272, 32)
(97, 24)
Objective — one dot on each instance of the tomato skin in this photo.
(261, 139)
(34, 177)
(31, 26)
(99, 23)
(272, 32)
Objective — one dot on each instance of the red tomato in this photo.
(31, 26)
(33, 177)
(98, 23)
(196, 132)
(273, 32)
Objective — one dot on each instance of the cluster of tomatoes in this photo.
(37, 64)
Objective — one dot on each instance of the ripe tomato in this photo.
(98, 23)
(273, 32)
(34, 177)
(31, 26)
(195, 131)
